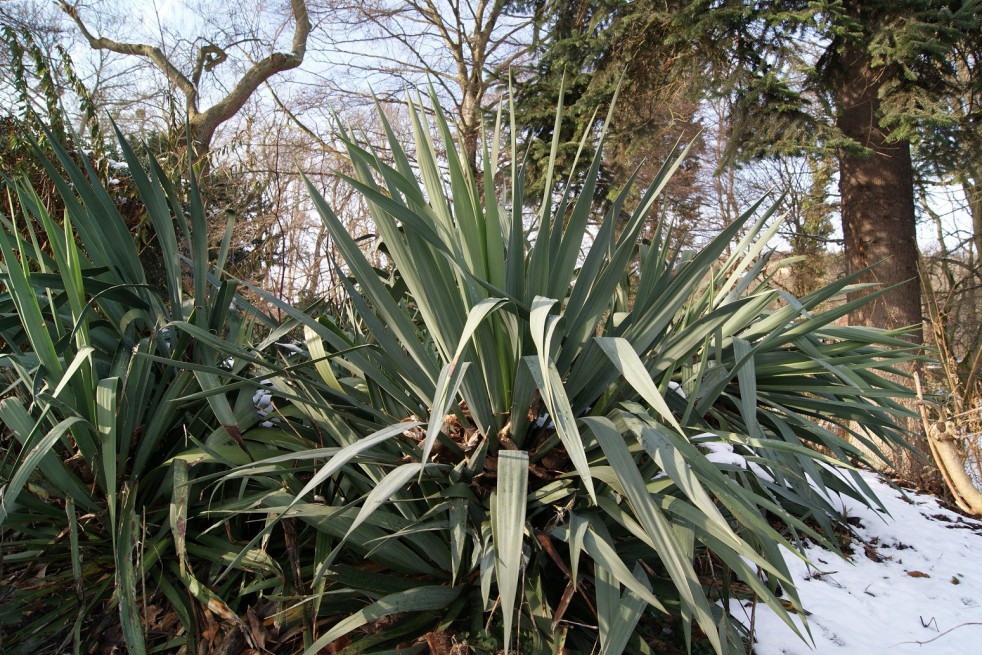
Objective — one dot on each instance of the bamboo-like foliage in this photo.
(546, 429)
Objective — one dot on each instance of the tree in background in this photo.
(458, 46)
(952, 151)
(590, 51)
(187, 78)
(858, 79)
(862, 79)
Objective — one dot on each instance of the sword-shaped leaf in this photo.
(508, 528)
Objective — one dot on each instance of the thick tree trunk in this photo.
(877, 190)
(876, 183)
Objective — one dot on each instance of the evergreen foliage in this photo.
(518, 443)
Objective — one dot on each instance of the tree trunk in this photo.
(877, 189)
(876, 184)
(973, 195)
(470, 126)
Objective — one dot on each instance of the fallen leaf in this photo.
(439, 643)
(918, 574)
(335, 646)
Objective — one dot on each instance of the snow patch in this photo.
(911, 585)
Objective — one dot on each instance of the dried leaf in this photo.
(439, 643)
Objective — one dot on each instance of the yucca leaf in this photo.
(159, 212)
(199, 248)
(22, 425)
(35, 450)
(107, 426)
(179, 509)
(605, 556)
(655, 524)
(347, 453)
(446, 388)
(368, 280)
(420, 599)
(607, 594)
(317, 352)
(630, 608)
(452, 375)
(98, 220)
(391, 484)
(508, 529)
(126, 542)
(457, 519)
(25, 300)
(561, 413)
(76, 557)
(623, 357)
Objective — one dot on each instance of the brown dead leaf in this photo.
(918, 574)
(256, 630)
(335, 646)
(556, 459)
(505, 442)
(872, 554)
(209, 633)
(789, 606)
(233, 642)
(440, 643)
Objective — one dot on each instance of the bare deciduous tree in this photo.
(459, 46)
(203, 122)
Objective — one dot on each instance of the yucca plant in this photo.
(105, 380)
(545, 430)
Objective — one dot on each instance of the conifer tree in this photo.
(862, 79)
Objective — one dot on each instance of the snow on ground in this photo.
(915, 586)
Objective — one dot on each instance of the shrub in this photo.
(106, 379)
(547, 431)
(516, 436)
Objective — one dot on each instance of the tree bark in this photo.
(973, 195)
(877, 189)
(876, 184)
(470, 124)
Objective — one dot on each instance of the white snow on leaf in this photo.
(723, 454)
(676, 387)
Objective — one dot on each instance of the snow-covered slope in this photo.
(914, 586)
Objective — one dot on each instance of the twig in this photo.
(921, 643)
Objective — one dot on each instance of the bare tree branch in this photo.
(261, 71)
(452, 43)
(153, 53)
(204, 123)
